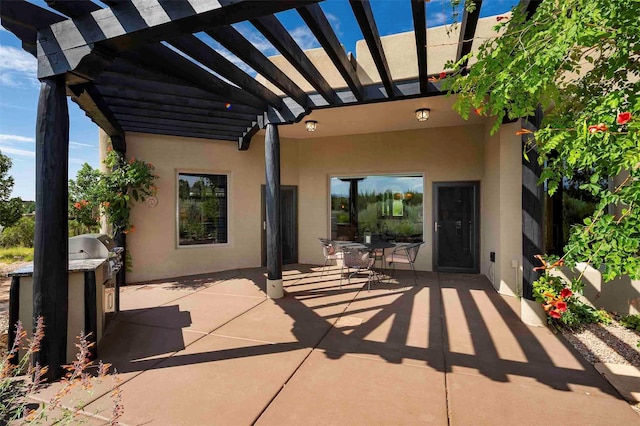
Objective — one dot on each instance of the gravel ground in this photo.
(611, 343)
(606, 343)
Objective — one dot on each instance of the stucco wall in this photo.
(501, 228)
(461, 153)
(621, 295)
(440, 154)
(153, 245)
(490, 202)
(510, 210)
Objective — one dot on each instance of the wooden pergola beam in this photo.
(23, 19)
(318, 23)
(62, 46)
(157, 126)
(176, 132)
(235, 42)
(73, 8)
(208, 57)
(153, 107)
(468, 32)
(127, 118)
(244, 141)
(185, 117)
(125, 81)
(161, 57)
(127, 94)
(280, 38)
(92, 103)
(364, 16)
(420, 32)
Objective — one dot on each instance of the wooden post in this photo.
(119, 145)
(272, 200)
(533, 196)
(51, 244)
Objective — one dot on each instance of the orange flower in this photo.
(84, 202)
(77, 206)
(106, 204)
(598, 128)
(133, 159)
(555, 314)
(623, 118)
(566, 293)
(479, 110)
(441, 76)
(132, 229)
(524, 131)
(561, 306)
(500, 18)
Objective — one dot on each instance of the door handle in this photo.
(435, 226)
(264, 225)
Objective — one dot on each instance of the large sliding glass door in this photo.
(389, 207)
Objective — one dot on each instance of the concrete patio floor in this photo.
(211, 349)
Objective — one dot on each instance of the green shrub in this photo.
(19, 235)
(561, 303)
(631, 321)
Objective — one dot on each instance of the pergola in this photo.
(137, 66)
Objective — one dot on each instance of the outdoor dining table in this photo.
(373, 245)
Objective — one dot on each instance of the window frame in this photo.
(178, 172)
(420, 174)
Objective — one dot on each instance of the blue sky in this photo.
(19, 86)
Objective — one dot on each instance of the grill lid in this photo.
(90, 246)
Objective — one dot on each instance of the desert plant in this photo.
(19, 235)
(22, 379)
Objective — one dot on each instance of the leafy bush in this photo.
(631, 321)
(561, 303)
(19, 235)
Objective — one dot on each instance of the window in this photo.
(389, 207)
(202, 209)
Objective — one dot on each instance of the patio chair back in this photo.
(412, 251)
(357, 257)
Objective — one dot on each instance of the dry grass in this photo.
(16, 254)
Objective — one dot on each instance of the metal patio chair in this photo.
(407, 255)
(360, 259)
(330, 251)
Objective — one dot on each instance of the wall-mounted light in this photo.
(422, 114)
(311, 125)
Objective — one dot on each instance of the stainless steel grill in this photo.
(97, 246)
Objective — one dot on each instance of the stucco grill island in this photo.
(94, 261)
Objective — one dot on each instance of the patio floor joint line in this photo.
(305, 358)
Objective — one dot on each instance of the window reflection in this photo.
(202, 209)
(389, 207)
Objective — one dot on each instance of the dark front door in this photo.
(289, 224)
(456, 228)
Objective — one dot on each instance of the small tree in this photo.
(113, 193)
(10, 208)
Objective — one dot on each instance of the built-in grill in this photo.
(97, 246)
(94, 260)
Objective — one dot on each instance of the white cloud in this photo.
(16, 67)
(305, 38)
(7, 150)
(80, 145)
(15, 138)
(436, 19)
(78, 161)
(335, 23)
